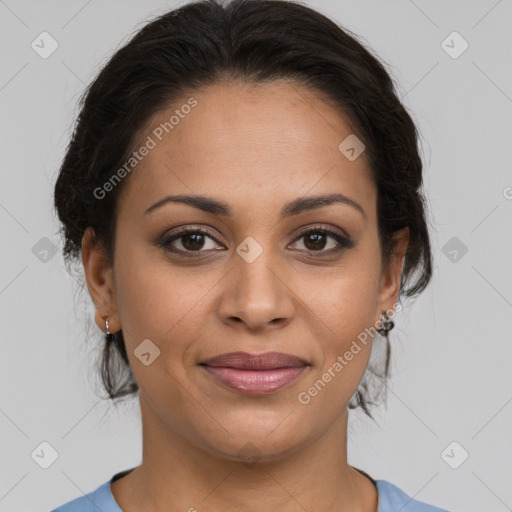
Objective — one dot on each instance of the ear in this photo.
(100, 282)
(390, 278)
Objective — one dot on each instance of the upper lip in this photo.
(246, 361)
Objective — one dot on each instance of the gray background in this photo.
(452, 348)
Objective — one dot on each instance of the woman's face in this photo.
(263, 278)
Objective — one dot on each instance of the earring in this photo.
(110, 336)
(387, 324)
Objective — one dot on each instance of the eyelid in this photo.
(302, 230)
(192, 228)
(323, 227)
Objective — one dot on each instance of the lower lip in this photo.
(255, 382)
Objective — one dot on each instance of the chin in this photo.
(253, 451)
(254, 441)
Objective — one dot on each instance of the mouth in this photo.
(255, 374)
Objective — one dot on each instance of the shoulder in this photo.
(391, 498)
(99, 499)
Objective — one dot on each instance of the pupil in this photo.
(318, 239)
(197, 237)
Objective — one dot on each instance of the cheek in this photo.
(344, 343)
(342, 299)
(156, 304)
(161, 302)
(342, 308)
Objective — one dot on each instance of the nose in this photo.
(256, 294)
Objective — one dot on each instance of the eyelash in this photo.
(343, 242)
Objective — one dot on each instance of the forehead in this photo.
(274, 140)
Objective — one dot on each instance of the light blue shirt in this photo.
(391, 499)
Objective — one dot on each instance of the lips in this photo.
(265, 361)
(255, 374)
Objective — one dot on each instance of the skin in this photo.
(255, 148)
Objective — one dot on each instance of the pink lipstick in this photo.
(255, 374)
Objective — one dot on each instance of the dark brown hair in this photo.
(207, 42)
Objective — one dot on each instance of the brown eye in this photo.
(192, 241)
(316, 240)
(189, 241)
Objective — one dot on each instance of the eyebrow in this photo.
(300, 205)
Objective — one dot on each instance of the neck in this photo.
(177, 474)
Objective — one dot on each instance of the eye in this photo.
(189, 240)
(316, 239)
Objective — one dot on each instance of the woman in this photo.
(243, 187)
